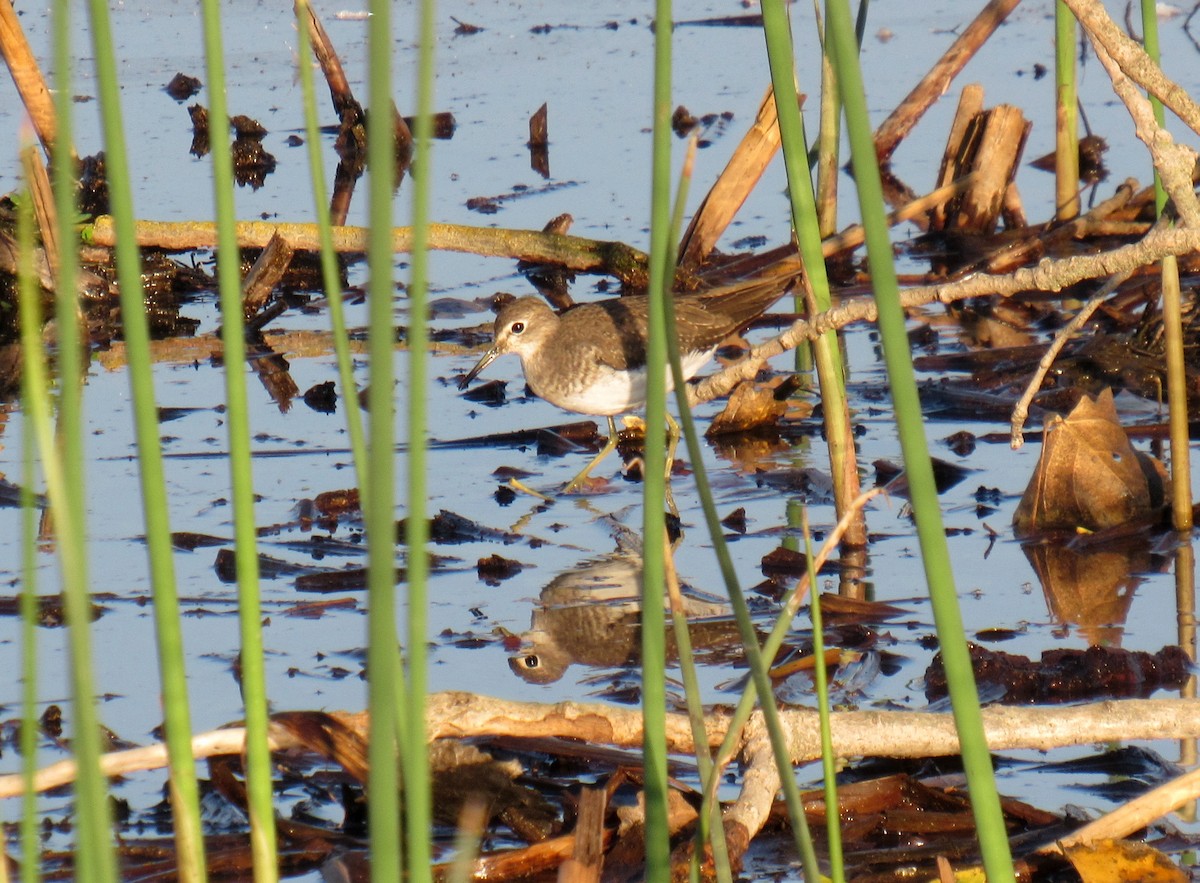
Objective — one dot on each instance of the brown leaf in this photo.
(749, 407)
(495, 568)
(1089, 476)
(337, 502)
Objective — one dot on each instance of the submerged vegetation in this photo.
(1048, 318)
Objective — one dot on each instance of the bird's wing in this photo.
(625, 322)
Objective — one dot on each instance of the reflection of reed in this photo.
(591, 615)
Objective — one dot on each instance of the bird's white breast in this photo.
(609, 392)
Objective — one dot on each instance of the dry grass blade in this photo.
(736, 182)
(27, 76)
(935, 83)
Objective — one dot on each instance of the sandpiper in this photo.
(591, 359)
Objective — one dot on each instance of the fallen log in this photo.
(626, 263)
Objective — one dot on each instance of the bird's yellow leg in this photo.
(525, 489)
(672, 444)
(579, 480)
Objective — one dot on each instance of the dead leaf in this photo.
(749, 407)
(1113, 861)
(1089, 476)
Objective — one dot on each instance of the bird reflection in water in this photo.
(591, 616)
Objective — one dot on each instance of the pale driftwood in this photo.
(456, 715)
(459, 715)
(1132, 58)
(1174, 162)
(1047, 275)
(995, 156)
(760, 782)
(571, 252)
(970, 106)
(1136, 814)
(935, 83)
(265, 274)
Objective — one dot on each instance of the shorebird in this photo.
(591, 358)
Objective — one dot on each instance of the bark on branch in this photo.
(1046, 275)
(459, 715)
(572, 252)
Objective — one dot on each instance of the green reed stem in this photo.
(70, 365)
(985, 803)
(654, 663)
(860, 22)
(93, 852)
(1066, 142)
(135, 326)
(417, 795)
(233, 342)
(383, 666)
(709, 827)
(66, 307)
(30, 839)
(184, 789)
(829, 136)
(1172, 307)
(833, 827)
(826, 350)
(760, 682)
(330, 271)
(185, 794)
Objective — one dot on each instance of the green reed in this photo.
(237, 416)
(829, 140)
(809, 221)
(70, 364)
(1066, 149)
(833, 828)
(985, 803)
(709, 826)
(759, 684)
(384, 677)
(28, 294)
(826, 351)
(330, 272)
(94, 858)
(654, 660)
(136, 332)
(1172, 311)
(418, 799)
(756, 658)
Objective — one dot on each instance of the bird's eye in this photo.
(517, 327)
